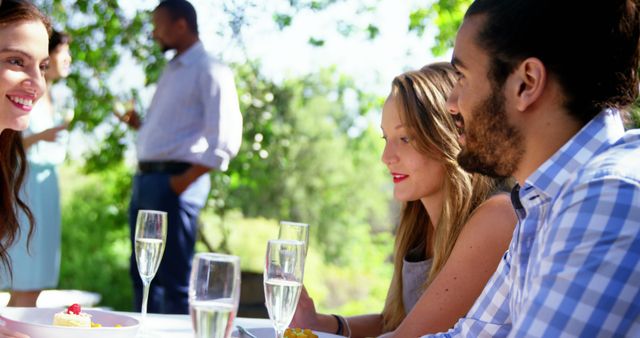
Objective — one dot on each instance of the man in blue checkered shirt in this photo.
(541, 90)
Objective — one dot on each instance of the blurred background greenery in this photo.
(310, 153)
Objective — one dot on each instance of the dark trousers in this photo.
(169, 288)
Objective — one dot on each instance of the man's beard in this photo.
(493, 147)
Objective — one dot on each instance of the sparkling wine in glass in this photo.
(150, 239)
(123, 104)
(295, 231)
(214, 293)
(283, 275)
(67, 115)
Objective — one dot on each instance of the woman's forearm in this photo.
(28, 141)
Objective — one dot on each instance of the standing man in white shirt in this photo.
(193, 125)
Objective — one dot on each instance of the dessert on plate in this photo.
(73, 316)
(299, 333)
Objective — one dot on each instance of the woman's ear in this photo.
(530, 81)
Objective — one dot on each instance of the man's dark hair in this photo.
(181, 9)
(590, 47)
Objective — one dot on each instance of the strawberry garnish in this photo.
(75, 309)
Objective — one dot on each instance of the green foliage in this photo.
(102, 35)
(447, 16)
(316, 42)
(372, 31)
(298, 162)
(635, 113)
(95, 235)
(349, 290)
(306, 156)
(282, 20)
(418, 20)
(285, 17)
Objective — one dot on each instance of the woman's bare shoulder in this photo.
(495, 213)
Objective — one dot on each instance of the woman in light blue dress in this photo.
(37, 266)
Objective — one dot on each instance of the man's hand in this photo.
(180, 183)
(131, 118)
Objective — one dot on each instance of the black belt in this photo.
(169, 167)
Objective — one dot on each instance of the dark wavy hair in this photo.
(590, 47)
(58, 38)
(12, 155)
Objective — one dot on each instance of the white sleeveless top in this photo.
(414, 275)
(40, 119)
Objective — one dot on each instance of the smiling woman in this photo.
(24, 41)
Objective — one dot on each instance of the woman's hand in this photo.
(6, 333)
(51, 134)
(305, 316)
(48, 135)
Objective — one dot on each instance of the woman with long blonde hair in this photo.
(454, 226)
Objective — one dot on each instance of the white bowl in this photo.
(36, 322)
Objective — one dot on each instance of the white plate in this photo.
(269, 332)
(36, 322)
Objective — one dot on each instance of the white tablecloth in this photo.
(179, 326)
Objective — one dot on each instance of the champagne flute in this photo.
(295, 231)
(68, 116)
(214, 294)
(124, 106)
(283, 275)
(124, 103)
(150, 238)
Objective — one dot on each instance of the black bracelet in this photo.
(339, 331)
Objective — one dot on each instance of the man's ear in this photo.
(530, 79)
(181, 25)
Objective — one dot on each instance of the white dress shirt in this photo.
(194, 115)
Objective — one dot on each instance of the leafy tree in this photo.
(95, 238)
(102, 36)
(447, 16)
(297, 160)
(306, 154)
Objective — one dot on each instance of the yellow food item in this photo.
(299, 333)
(96, 325)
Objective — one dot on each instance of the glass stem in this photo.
(145, 298)
(279, 333)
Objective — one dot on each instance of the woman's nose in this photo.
(388, 154)
(35, 82)
(452, 101)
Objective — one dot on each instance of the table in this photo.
(179, 326)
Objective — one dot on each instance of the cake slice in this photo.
(73, 316)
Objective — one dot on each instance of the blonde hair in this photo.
(421, 97)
